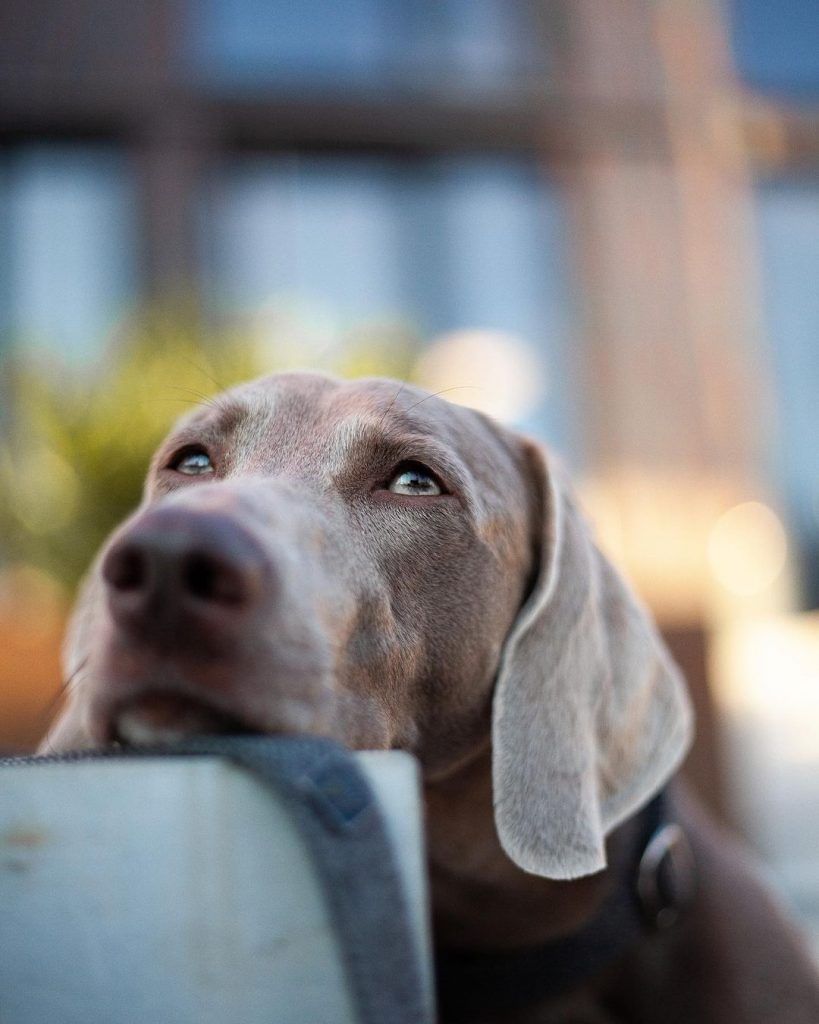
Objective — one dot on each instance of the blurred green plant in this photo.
(75, 441)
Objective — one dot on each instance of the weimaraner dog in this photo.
(365, 561)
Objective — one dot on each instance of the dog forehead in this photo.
(327, 403)
(322, 422)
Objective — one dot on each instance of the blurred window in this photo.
(776, 48)
(460, 45)
(788, 215)
(777, 44)
(440, 244)
(68, 239)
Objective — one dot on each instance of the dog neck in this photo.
(480, 898)
(507, 941)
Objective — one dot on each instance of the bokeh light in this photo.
(493, 371)
(747, 549)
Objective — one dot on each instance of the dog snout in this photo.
(181, 575)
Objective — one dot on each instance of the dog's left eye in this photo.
(413, 478)
(193, 462)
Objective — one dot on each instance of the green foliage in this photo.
(76, 441)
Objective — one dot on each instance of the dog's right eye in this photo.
(192, 462)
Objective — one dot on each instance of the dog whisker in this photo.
(445, 391)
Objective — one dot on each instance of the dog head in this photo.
(366, 561)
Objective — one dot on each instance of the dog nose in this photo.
(174, 571)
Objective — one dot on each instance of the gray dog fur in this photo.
(478, 628)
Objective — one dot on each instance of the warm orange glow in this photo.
(32, 611)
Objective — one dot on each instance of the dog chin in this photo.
(166, 718)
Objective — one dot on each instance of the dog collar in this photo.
(651, 895)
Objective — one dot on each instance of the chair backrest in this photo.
(187, 889)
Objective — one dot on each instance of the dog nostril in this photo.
(209, 579)
(126, 569)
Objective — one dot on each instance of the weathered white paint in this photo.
(174, 892)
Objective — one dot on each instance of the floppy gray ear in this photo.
(590, 715)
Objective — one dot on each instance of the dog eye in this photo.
(192, 462)
(413, 478)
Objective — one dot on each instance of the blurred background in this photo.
(597, 220)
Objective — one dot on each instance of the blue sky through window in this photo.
(439, 245)
(461, 45)
(776, 45)
(69, 239)
(788, 217)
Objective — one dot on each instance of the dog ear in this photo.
(590, 715)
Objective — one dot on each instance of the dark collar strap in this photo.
(656, 885)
